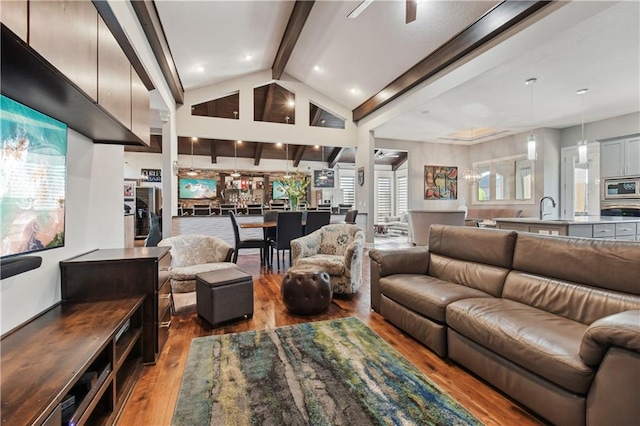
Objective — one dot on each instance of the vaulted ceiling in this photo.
(566, 46)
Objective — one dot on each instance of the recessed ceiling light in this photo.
(239, 142)
(279, 144)
(200, 68)
(317, 68)
(354, 91)
(247, 57)
(194, 139)
(316, 146)
(291, 103)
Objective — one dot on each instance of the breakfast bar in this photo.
(611, 227)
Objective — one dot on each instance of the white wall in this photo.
(610, 128)
(430, 154)
(93, 219)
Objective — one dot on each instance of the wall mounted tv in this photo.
(33, 171)
(279, 192)
(197, 188)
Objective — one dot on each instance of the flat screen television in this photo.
(279, 192)
(198, 189)
(33, 170)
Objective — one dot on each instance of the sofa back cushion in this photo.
(486, 278)
(571, 300)
(477, 258)
(577, 278)
(607, 264)
(196, 249)
(488, 246)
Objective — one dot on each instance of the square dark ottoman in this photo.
(224, 295)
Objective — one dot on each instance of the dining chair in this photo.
(344, 208)
(289, 227)
(227, 208)
(249, 243)
(325, 207)
(316, 220)
(350, 217)
(269, 233)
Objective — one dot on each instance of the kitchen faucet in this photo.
(553, 203)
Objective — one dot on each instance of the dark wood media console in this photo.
(46, 362)
(119, 273)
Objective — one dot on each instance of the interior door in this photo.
(580, 183)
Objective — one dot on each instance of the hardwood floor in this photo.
(154, 396)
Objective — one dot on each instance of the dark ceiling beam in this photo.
(297, 154)
(150, 21)
(268, 101)
(334, 157)
(298, 17)
(116, 29)
(258, 155)
(400, 161)
(498, 20)
(214, 155)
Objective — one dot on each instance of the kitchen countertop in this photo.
(574, 220)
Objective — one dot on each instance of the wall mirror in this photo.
(504, 180)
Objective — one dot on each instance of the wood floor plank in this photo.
(154, 396)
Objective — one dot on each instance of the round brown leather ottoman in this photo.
(306, 290)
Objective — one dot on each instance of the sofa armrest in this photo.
(621, 329)
(413, 260)
(306, 246)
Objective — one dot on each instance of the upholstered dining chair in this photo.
(350, 217)
(316, 220)
(247, 243)
(289, 227)
(338, 249)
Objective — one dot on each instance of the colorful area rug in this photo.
(320, 373)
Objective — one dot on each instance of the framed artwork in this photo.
(329, 182)
(128, 189)
(440, 183)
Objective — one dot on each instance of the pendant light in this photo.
(235, 151)
(235, 159)
(323, 172)
(191, 171)
(471, 175)
(582, 143)
(531, 139)
(287, 175)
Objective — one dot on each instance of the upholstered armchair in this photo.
(192, 254)
(338, 248)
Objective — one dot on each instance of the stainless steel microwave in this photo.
(615, 189)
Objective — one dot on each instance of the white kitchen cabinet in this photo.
(620, 158)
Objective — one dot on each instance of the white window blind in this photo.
(402, 200)
(383, 189)
(348, 187)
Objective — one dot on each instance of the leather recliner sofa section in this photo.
(554, 322)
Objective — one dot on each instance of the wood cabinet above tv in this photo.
(58, 73)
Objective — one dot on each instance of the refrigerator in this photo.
(148, 200)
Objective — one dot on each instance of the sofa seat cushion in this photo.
(184, 273)
(543, 343)
(334, 265)
(425, 295)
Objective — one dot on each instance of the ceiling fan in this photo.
(411, 9)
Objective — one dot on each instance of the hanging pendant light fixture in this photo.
(287, 175)
(191, 171)
(582, 143)
(531, 139)
(235, 159)
(472, 174)
(323, 172)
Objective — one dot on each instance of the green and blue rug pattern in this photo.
(320, 373)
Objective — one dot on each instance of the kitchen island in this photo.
(611, 227)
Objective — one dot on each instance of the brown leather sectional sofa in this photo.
(554, 322)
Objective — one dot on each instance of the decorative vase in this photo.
(293, 203)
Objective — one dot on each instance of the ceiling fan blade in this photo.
(412, 10)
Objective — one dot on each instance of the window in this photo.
(348, 187)
(402, 201)
(383, 195)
